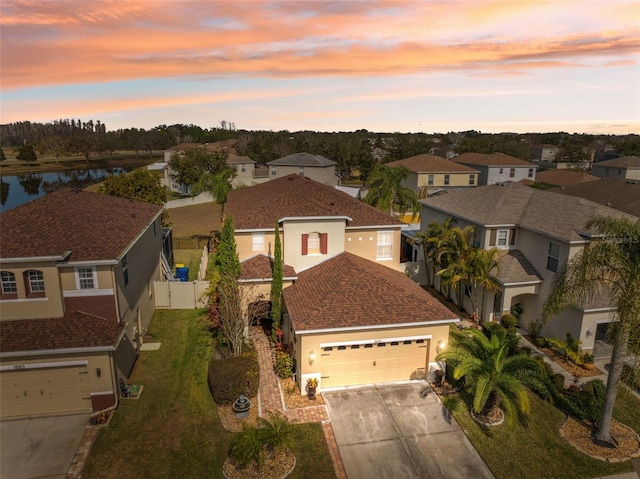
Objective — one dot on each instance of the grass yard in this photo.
(196, 220)
(173, 430)
(190, 258)
(538, 451)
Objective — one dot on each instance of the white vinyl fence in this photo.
(184, 295)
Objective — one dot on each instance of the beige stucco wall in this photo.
(455, 179)
(292, 241)
(244, 244)
(364, 243)
(68, 277)
(49, 306)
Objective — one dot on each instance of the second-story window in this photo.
(257, 240)
(315, 243)
(430, 180)
(9, 285)
(273, 171)
(34, 282)
(553, 257)
(472, 180)
(385, 245)
(85, 278)
(512, 172)
(530, 174)
(446, 179)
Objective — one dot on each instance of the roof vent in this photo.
(608, 203)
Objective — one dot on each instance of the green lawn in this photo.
(190, 258)
(537, 451)
(173, 430)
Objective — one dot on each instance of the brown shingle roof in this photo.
(74, 330)
(515, 268)
(351, 292)
(564, 177)
(260, 267)
(493, 159)
(559, 216)
(431, 164)
(258, 207)
(629, 162)
(90, 225)
(302, 159)
(617, 193)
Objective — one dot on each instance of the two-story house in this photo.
(435, 173)
(536, 232)
(316, 167)
(627, 167)
(77, 271)
(497, 167)
(544, 153)
(350, 315)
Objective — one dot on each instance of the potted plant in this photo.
(312, 385)
(587, 361)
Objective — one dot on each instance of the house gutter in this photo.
(385, 326)
(61, 257)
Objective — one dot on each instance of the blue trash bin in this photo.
(182, 274)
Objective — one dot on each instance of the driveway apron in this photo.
(400, 431)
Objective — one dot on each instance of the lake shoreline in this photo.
(16, 168)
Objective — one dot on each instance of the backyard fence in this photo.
(196, 242)
(180, 295)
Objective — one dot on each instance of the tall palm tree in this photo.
(454, 253)
(386, 190)
(483, 267)
(608, 266)
(217, 184)
(430, 240)
(495, 378)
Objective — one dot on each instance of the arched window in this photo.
(34, 283)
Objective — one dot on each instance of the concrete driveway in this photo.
(394, 431)
(39, 447)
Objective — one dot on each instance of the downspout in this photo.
(115, 295)
(114, 379)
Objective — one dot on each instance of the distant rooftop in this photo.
(302, 159)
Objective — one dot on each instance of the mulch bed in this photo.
(276, 467)
(569, 366)
(581, 435)
(231, 422)
(292, 397)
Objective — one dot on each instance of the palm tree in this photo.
(386, 190)
(609, 266)
(482, 271)
(454, 255)
(430, 240)
(495, 378)
(217, 184)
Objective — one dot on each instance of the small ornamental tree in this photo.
(276, 282)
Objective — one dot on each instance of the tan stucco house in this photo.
(535, 232)
(77, 271)
(436, 173)
(316, 167)
(343, 290)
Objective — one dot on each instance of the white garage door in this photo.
(367, 362)
(40, 389)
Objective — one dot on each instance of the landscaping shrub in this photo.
(508, 321)
(557, 379)
(283, 365)
(252, 443)
(631, 376)
(534, 328)
(587, 403)
(230, 377)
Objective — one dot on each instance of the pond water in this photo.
(16, 190)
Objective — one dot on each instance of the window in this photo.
(446, 179)
(430, 180)
(85, 278)
(472, 180)
(258, 241)
(125, 271)
(273, 171)
(301, 171)
(476, 237)
(553, 257)
(9, 285)
(385, 245)
(512, 172)
(530, 174)
(503, 236)
(243, 168)
(34, 282)
(501, 170)
(315, 243)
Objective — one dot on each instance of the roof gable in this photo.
(91, 226)
(347, 291)
(260, 267)
(629, 162)
(259, 206)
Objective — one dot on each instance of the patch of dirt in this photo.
(279, 465)
(581, 435)
(231, 422)
(572, 368)
(195, 220)
(292, 397)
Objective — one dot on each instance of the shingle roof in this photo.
(258, 207)
(493, 159)
(564, 177)
(232, 158)
(559, 216)
(74, 330)
(515, 268)
(260, 267)
(347, 291)
(302, 159)
(89, 225)
(617, 193)
(431, 164)
(629, 162)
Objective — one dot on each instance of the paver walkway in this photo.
(270, 399)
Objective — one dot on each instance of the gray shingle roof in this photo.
(515, 268)
(91, 226)
(556, 215)
(351, 292)
(617, 193)
(431, 164)
(302, 159)
(258, 207)
(493, 159)
(629, 162)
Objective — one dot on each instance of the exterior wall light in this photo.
(312, 357)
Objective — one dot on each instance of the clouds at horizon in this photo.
(288, 65)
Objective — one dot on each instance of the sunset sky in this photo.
(431, 66)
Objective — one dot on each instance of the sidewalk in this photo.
(270, 399)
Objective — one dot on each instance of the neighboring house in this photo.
(545, 153)
(77, 272)
(535, 232)
(436, 173)
(343, 290)
(562, 178)
(617, 193)
(316, 167)
(627, 167)
(497, 167)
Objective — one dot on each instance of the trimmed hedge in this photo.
(228, 378)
